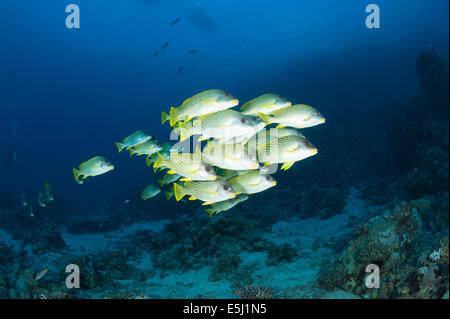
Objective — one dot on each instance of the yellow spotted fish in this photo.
(288, 150)
(298, 116)
(225, 205)
(188, 165)
(266, 104)
(93, 167)
(207, 191)
(203, 103)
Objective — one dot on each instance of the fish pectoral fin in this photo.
(267, 164)
(254, 185)
(192, 198)
(207, 101)
(287, 165)
(211, 193)
(170, 172)
(280, 126)
(186, 179)
(207, 203)
(267, 105)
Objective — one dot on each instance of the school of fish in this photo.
(241, 148)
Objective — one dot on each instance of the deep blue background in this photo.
(73, 93)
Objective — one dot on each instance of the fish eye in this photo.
(228, 95)
(209, 169)
(269, 178)
(244, 121)
(226, 187)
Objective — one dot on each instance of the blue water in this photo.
(67, 95)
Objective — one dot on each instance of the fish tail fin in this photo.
(160, 182)
(173, 116)
(131, 152)
(266, 118)
(179, 191)
(159, 162)
(164, 117)
(210, 212)
(185, 131)
(76, 174)
(168, 195)
(148, 161)
(120, 146)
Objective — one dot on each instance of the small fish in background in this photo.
(48, 191)
(223, 206)
(41, 200)
(24, 201)
(95, 166)
(153, 158)
(155, 53)
(180, 69)
(169, 194)
(149, 192)
(31, 211)
(134, 139)
(41, 274)
(174, 22)
(11, 157)
(167, 179)
(165, 45)
(192, 51)
(126, 202)
(147, 148)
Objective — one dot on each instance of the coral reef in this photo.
(391, 241)
(253, 292)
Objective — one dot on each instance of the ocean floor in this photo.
(296, 279)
